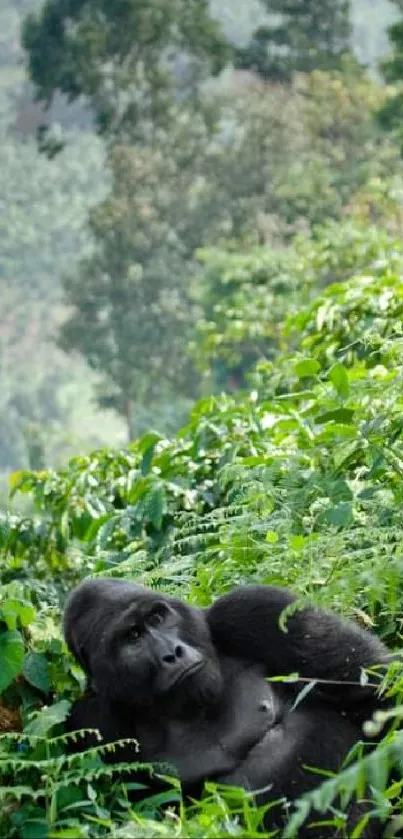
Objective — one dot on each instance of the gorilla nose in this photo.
(171, 658)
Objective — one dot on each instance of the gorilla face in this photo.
(140, 648)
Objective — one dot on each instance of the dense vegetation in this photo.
(47, 411)
(243, 255)
(297, 482)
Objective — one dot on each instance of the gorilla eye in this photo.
(134, 633)
(157, 616)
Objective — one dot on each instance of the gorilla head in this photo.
(139, 648)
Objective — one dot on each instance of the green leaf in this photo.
(34, 829)
(106, 530)
(307, 367)
(297, 819)
(340, 491)
(308, 688)
(13, 611)
(96, 526)
(139, 488)
(349, 452)
(339, 377)
(148, 444)
(341, 515)
(11, 657)
(36, 671)
(65, 524)
(147, 461)
(343, 415)
(155, 505)
(48, 717)
(338, 431)
(297, 542)
(17, 480)
(378, 771)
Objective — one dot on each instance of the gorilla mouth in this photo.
(194, 668)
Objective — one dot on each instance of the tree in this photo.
(130, 301)
(301, 35)
(273, 167)
(43, 210)
(295, 156)
(390, 115)
(129, 58)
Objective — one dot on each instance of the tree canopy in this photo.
(300, 36)
(128, 58)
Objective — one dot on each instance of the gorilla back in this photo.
(191, 687)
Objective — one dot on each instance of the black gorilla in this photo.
(190, 685)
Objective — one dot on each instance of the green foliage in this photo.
(188, 171)
(297, 483)
(43, 208)
(122, 56)
(390, 115)
(280, 160)
(295, 157)
(246, 298)
(44, 407)
(298, 37)
(373, 769)
(56, 794)
(359, 320)
(268, 166)
(130, 308)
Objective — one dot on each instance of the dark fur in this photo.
(222, 720)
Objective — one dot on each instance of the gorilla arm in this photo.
(315, 644)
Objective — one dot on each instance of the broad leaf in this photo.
(11, 657)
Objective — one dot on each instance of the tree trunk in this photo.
(128, 417)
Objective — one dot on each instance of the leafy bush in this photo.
(256, 303)
(298, 482)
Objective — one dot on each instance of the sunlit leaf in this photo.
(338, 375)
(11, 657)
(48, 717)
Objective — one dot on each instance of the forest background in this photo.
(242, 189)
(201, 263)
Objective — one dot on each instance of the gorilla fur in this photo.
(190, 686)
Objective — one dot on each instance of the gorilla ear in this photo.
(78, 650)
(83, 659)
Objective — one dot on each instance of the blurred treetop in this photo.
(300, 36)
(128, 58)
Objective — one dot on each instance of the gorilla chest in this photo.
(217, 745)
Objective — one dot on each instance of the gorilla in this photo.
(191, 687)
